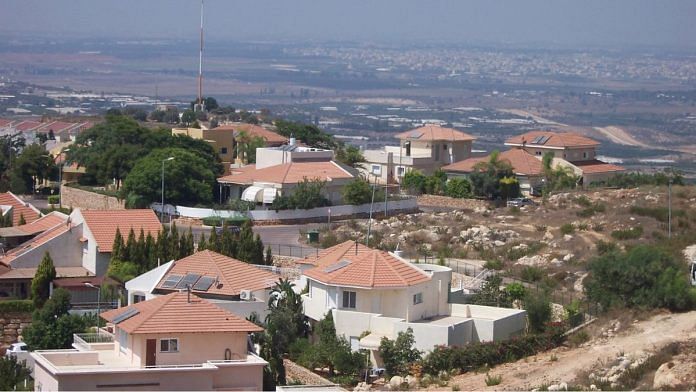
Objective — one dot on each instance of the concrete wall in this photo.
(77, 198)
(491, 323)
(575, 154)
(65, 249)
(195, 348)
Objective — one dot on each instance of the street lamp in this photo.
(162, 206)
(60, 178)
(98, 302)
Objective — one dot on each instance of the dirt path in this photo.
(620, 136)
(534, 371)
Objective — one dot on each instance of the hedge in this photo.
(476, 355)
(218, 221)
(54, 199)
(17, 305)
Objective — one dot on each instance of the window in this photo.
(538, 153)
(400, 171)
(349, 299)
(377, 169)
(138, 298)
(122, 340)
(417, 298)
(223, 150)
(444, 147)
(584, 155)
(169, 345)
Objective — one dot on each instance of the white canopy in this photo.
(253, 194)
(269, 194)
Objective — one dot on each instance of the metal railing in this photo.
(293, 250)
(103, 305)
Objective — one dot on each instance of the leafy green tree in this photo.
(538, 307)
(435, 183)
(10, 147)
(491, 294)
(33, 164)
(509, 187)
(40, 285)
(188, 179)
(357, 192)
(249, 144)
(306, 194)
(349, 155)
(202, 244)
(268, 260)
(52, 327)
(399, 354)
(129, 252)
(309, 134)
(459, 188)
(644, 276)
(487, 175)
(414, 181)
(117, 247)
(12, 373)
(188, 117)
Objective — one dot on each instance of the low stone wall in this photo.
(11, 326)
(78, 198)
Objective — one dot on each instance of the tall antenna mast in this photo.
(200, 65)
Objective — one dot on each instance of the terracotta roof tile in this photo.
(103, 224)
(335, 253)
(173, 313)
(19, 208)
(40, 239)
(523, 163)
(254, 130)
(372, 269)
(559, 140)
(5, 122)
(75, 273)
(25, 126)
(289, 173)
(232, 274)
(44, 223)
(434, 132)
(596, 166)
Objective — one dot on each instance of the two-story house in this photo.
(571, 150)
(426, 149)
(374, 294)
(174, 342)
(231, 284)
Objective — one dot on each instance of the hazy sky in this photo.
(580, 22)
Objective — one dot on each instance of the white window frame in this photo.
(169, 344)
(401, 171)
(376, 169)
(350, 294)
(122, 337)
(418, 298)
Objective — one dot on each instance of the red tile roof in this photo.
(44, 223)
(289, 173)
(103, 224)
(19, 208)
(435, 132)
(253, 130)
(558, 140)
(335, 253)
(27, 125)
(233, 275)
(40, 239)
(173, 313)
(370, 269)
(596, 166)
(523, 163)
(4, 122)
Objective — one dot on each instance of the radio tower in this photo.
(201, 105)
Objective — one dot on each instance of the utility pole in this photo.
(200, 65)
(369, 223)
(669, 207)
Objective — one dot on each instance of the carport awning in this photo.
(269, 194)
(253, 194)
(372, 341)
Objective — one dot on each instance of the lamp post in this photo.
(162, 206)
(90, 285)
(60, 178)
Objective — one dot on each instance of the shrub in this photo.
(659, 213)
(219, 221)
(458, 188)
(538, 307)
(531, 274)
(645, 276)
(578, 338)
(567, 228)
(494, 264)
(628, 234)
(399, 353)
(16, 305)
(54, 199)
(493, 380)
(357, 192)
(583, 201)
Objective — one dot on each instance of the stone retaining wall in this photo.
(11, 326)
(78, 198)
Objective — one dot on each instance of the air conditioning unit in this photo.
(245, 295)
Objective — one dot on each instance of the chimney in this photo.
(356, 248)
(292, 139)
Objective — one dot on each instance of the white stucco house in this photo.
(229, 283)
(375, 294)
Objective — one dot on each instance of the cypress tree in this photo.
(190, 249)
(22, 221)
(150, 251)
(257, 257)
(201, 243)
(140, 257)
(117, 248)
(247, 245)
(214, 241)
(163, 246)
(174, 249)
(269, 256)
(40, 285)
(130, 249)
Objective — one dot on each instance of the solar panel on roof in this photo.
(544, 139)
(337, 266)
(171, 281)
(536, 140)
(415, 134)
(125, 315)
(189, 280)
(204, 283)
